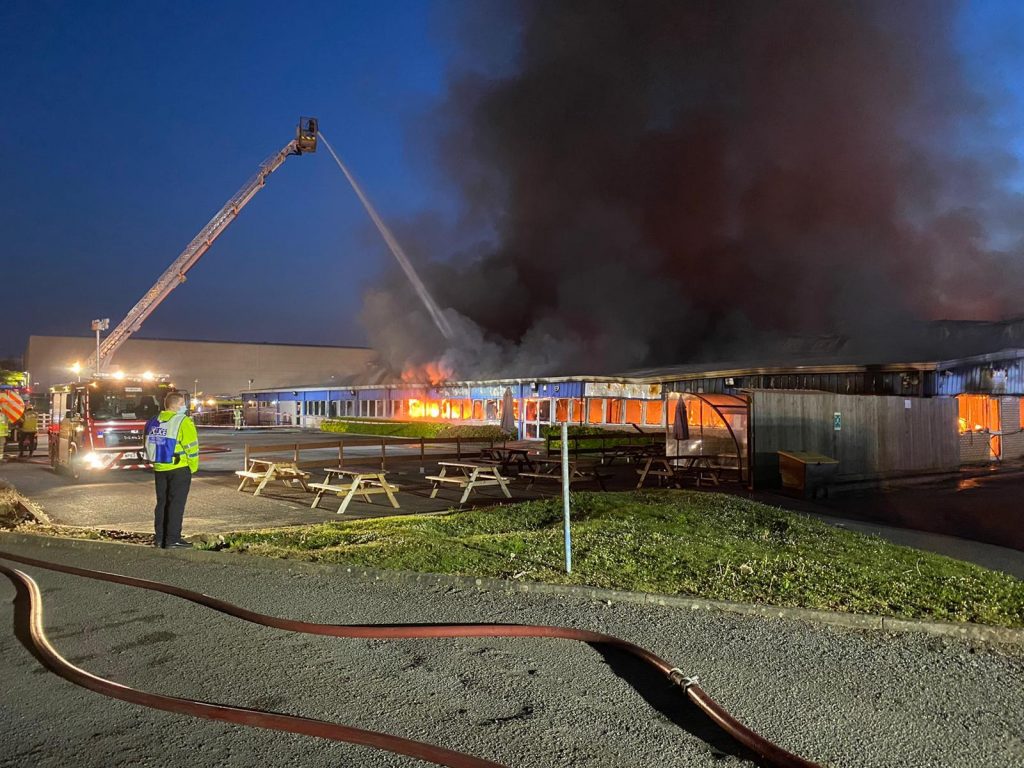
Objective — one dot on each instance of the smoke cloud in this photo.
(660, 182)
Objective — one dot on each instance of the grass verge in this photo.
(707, 545)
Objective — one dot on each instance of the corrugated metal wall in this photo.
(1005, 377)
(909, 383)
(878, 436)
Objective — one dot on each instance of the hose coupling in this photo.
(677, 676)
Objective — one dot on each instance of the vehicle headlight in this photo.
(94, 460)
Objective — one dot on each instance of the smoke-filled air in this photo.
(661, 182)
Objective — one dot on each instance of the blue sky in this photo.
(124, 127)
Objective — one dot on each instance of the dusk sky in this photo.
(126, 126)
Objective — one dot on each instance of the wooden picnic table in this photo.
(550, 469)
(628, 452)
(506, 457)
(262, 471)
(698, 466)
(470, 476)
(353, 483)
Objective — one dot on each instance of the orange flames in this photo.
(432, 373)
(420, 409)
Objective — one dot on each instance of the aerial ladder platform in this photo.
(304, 143)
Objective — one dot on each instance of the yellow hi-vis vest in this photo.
(172, 442)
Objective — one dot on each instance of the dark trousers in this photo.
(171, 493)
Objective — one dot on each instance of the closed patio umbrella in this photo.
(508, 416)
(680, 427)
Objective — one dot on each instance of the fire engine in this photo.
(98, 423)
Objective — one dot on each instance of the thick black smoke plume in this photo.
(667, 181)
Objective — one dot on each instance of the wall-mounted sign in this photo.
(837, 421)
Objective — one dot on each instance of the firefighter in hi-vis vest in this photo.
(172, 446)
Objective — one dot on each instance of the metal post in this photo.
(565, 496)
(99, 325)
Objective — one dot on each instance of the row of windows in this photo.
(590, 411)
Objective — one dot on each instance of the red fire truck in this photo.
(97, 424)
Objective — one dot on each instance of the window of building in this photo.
(531, 410)
(595, 410)
(655, 412)
(616, 410)
(561, 410)
(634, 411)
(977, 413)
(576, 414)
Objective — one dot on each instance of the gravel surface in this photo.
(843, 698)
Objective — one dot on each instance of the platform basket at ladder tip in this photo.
(306, 134)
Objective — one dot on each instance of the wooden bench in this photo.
(262, 471)
(357, 483)
(551, 471)
(470, 476)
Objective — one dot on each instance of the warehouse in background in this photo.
(221, 367)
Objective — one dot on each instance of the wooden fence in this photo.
(463, 448)
(872, 436)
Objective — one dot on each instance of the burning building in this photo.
(877, 418)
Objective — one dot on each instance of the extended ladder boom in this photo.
(175, 274)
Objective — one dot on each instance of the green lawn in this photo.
(672, 542)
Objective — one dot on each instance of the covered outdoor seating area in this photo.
(707, 442)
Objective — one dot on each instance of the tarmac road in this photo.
(842, 697)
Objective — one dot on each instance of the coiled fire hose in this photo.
(29, 623)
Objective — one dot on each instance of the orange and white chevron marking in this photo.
(11, 405)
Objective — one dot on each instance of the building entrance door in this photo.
(536, 418)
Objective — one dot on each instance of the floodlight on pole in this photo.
(99, 325)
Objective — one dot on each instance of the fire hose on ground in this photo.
(29, 626)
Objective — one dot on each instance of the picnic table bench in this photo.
(262, 471)
(698, 467)
(630, 452)
(468, 475)
(505, 457)
(550, 470)
(354, 483)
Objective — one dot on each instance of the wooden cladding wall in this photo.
(877, 436)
